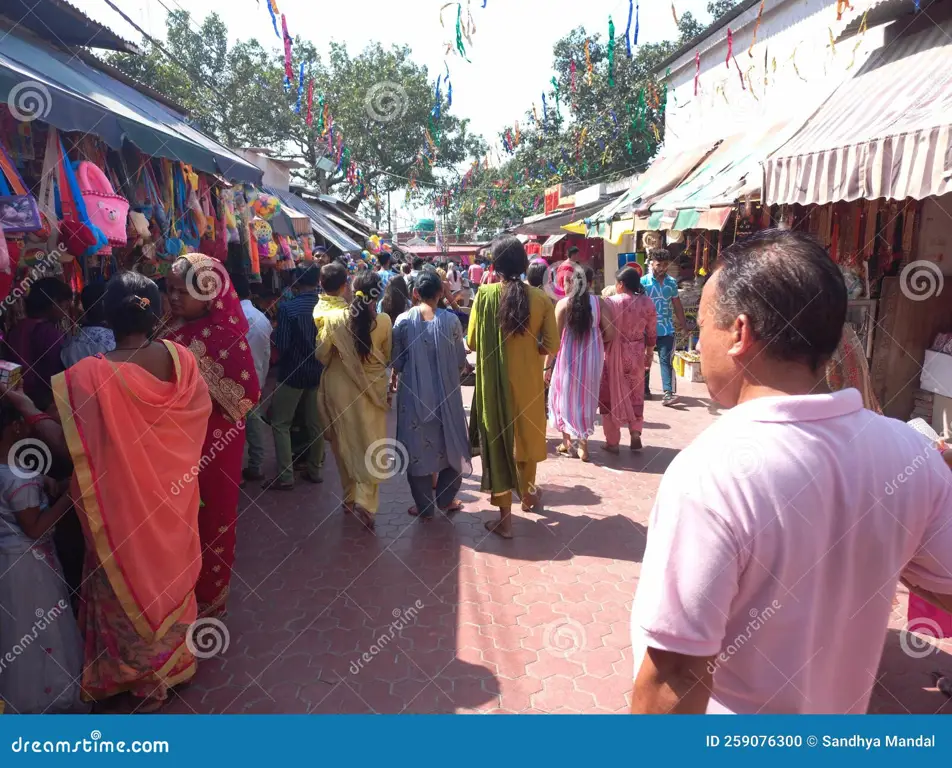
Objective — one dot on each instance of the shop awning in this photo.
(553, 223)
(885, 133)
(549, 245)
(75, 96)
(319, 222)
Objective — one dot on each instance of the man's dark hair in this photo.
(572, 251)
(309, 276)
(791, 291)
(241, 285)
(418, 263)
(428, 284)
(383, 259)
(333, 277)
(659, 254)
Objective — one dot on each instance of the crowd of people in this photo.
(158, 406)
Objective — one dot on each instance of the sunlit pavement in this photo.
(442, 617)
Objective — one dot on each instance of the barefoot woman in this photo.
(510, 326)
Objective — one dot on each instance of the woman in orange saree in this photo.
(134, 421)
(210, 323)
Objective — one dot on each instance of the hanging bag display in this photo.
(19, 212)
(107, 210)
(80, 237)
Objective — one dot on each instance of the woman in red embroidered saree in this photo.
(134, 421)
(209, 321)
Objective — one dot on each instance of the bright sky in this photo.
(511, 55)
(512, 48)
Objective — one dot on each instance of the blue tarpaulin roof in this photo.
(75, 96)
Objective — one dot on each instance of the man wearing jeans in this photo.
(299, 375)
(662, 289)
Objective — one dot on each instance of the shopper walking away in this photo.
(428, 353)
(627, 356)
(353, 344)
(510, 327)
(299, 376)
(662, 289)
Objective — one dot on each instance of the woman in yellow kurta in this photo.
(511, 326)
(353, 345)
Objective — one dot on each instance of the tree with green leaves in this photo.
(380, 101)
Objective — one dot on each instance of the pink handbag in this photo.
(106, 209)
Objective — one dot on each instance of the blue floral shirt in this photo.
(662, 293)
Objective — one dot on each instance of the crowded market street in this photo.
(539, 624)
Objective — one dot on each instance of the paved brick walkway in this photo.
(441, 617)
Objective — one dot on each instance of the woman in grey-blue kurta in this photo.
(431, 423)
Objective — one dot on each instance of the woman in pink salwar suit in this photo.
(622, 393)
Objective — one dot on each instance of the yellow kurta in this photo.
(524, 364)
(352, 399)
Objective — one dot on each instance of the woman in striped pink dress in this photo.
(585, 326)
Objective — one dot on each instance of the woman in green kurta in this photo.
(510, 326)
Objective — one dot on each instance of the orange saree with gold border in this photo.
(136, 444)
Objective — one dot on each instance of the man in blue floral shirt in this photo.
(662, 289)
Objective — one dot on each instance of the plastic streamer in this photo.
(588, 61)
(545, 113)
(750, 81)
(535, 113)
(657, 133)
(449, 86)
(322, 111)
(631, 13)
(741, 74)
(309, 118)
(611, 53)
(572, 73)
(730, 47)
(697, 68)
(832, 41)
(273, 10)
(862, 31)
(674, 13)
(793, 60)
(760, 14)
(518, 134)
(558, 106)
(437, 99)
(459, 32)
(637, 20)
(288, 67)
(300, 91)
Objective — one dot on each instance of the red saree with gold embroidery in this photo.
(135, 440)
(218, 343)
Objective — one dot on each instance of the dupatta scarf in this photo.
(219, 343)
(436, 393)
(136, 442)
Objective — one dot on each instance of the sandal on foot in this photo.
(455, 506)
(636, 444)
(364, 517)
(612, 449)
(568, 451)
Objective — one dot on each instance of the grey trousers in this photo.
(427, 499)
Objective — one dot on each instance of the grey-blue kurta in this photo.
(431, 422)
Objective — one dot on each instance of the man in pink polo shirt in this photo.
(778, 536)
